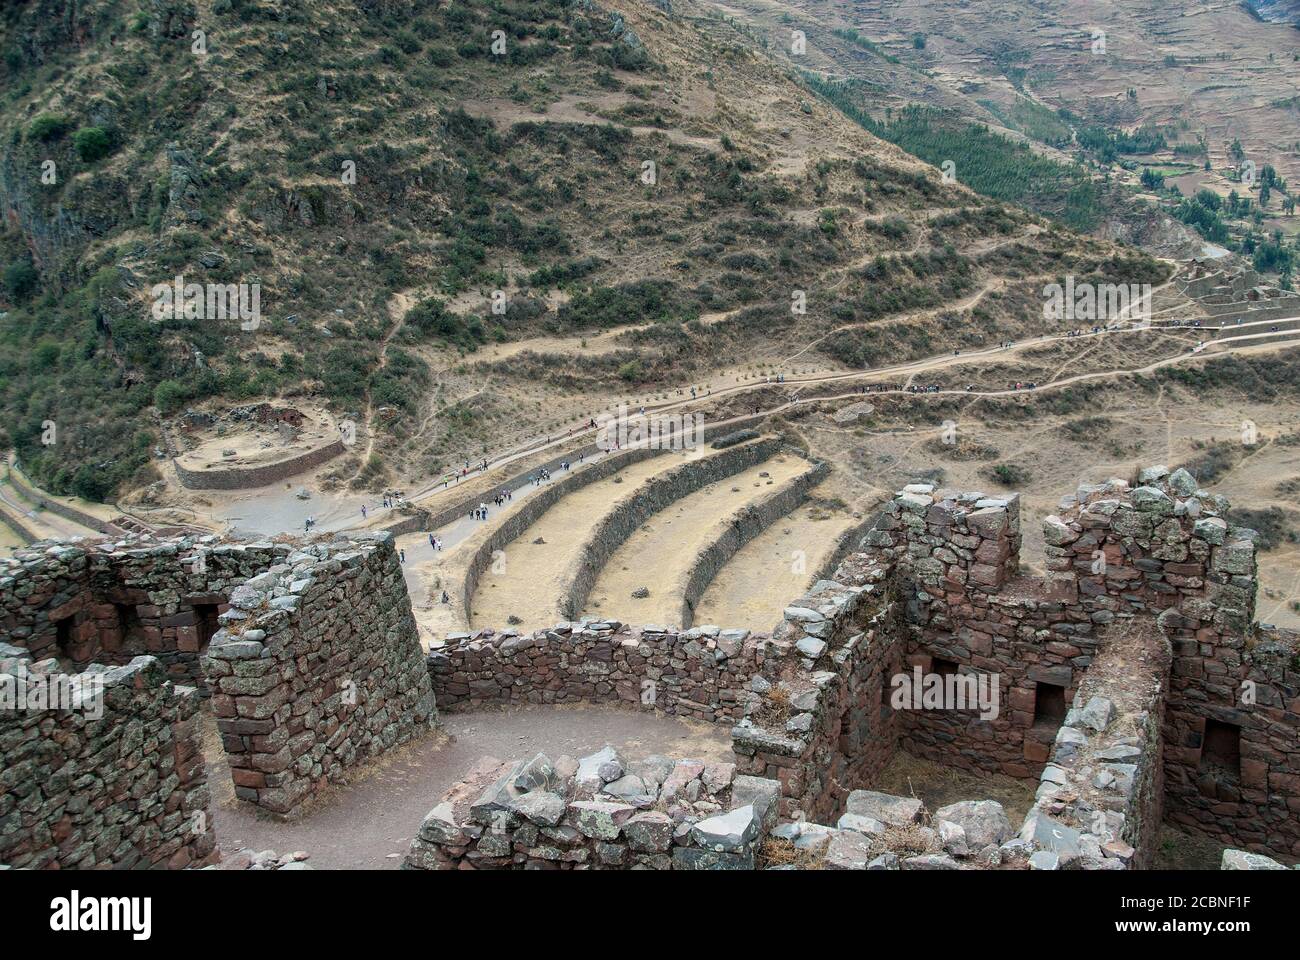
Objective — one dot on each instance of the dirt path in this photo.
(772, 569)
(43, 523)
(529, 579)
(369, 824)
(659, 554)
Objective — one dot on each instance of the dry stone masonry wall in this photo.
(1100, 798)
(701, 673)
(740, 528)
(1134, 687)
(248, 478)
(818, 724)
(317, 668)
(599, 812)
(112, 776)
(312, 662)
(629, 514)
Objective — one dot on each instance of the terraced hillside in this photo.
(1110, 115)
(459, 241)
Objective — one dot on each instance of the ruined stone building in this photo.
(1131, 682)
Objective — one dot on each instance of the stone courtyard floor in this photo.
(369, 824)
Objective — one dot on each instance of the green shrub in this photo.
(1009, 474)
(48, 126)
(21, 281)
(92, 143)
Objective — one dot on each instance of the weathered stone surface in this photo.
(650, 832)
(600, 767)
(983, 821)
(847, 850)
(895, 811)
(600, 820)
(540, 807)
(1241, 860)
(728, 831)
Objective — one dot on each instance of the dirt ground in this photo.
(528, 581)
(369, 823)
(937, 785)
(775, 567)
(659, 555)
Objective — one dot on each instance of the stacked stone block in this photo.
(838, 646)
(318, 667)
(86, 588)
(957, 557)
(701, 673)
(113, 778)
(599, 813)
(1100, 798)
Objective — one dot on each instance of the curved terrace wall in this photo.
(246, 478)
(424, 519)
(743, 526)
(628, 515)
(33, 495)
(514, 525)
(18, 528)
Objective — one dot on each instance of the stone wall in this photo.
(57, 507)
(313, 665)
(1247, 688)
(17, 527)
(1159, 551)
(597, 813)
(248, 478)
(957, 555)
(113, 778)
(818, 723)
(699, 673)
(108, 602)
(740, 528)
(1100, 800)
(511, 527)
(317, 668)
(426, 519)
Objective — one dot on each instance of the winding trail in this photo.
(1278, 339)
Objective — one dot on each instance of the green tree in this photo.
(92, 143)
(21, 281)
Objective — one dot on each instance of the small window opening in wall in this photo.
(1221, 749)
(944, 668)
(208, 624)
(1049, 705)
(129, 620)
(63, 636)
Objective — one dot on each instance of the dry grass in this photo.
(774, 710)
(908, 841)
(937, 785)
(777, 852)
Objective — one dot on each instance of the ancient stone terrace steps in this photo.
(781, 562)
(659, 556)
(530, 579)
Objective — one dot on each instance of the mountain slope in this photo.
(636, 172)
